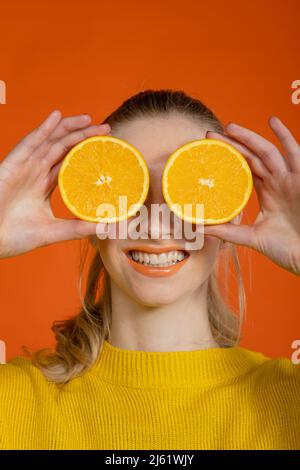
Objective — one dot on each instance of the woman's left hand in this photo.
(276, 178)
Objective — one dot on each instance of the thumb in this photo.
(70, 229)
(239, 234)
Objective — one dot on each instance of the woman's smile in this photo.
(156, 261)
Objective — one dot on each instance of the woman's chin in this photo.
(155, 296)
(150, 301)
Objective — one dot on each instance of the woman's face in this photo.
(156, 138)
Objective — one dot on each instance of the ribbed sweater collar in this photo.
(136, 368)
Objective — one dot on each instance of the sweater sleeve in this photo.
(17, 396)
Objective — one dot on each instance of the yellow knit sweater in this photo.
(220, 398)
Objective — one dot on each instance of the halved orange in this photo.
(209, 172)
(97, 172)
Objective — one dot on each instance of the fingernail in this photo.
(271, 118)
(55, 112)
(211, 132)
(105, 127)
(232, 124)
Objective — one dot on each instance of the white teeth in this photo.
(162, 259)
(153, 259)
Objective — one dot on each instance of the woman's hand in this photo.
(276, 177)
(28, 176)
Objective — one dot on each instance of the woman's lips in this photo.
(155, 271)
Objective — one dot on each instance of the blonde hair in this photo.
(79, 339)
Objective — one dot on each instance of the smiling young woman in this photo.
(152, 360)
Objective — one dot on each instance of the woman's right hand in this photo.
(28, 176)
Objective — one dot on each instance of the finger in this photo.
(259, 188)
(64, 127)
(30, 142)
(70, 124)
(52, 179)
(287, 140)
(61, 147)
(239, 234)
(267, 151)
(255, 163)
(104, 229)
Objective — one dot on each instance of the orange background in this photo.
(239, 57)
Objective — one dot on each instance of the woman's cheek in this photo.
(211, 248)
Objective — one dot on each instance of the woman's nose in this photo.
(159, 217)
(155, 195)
